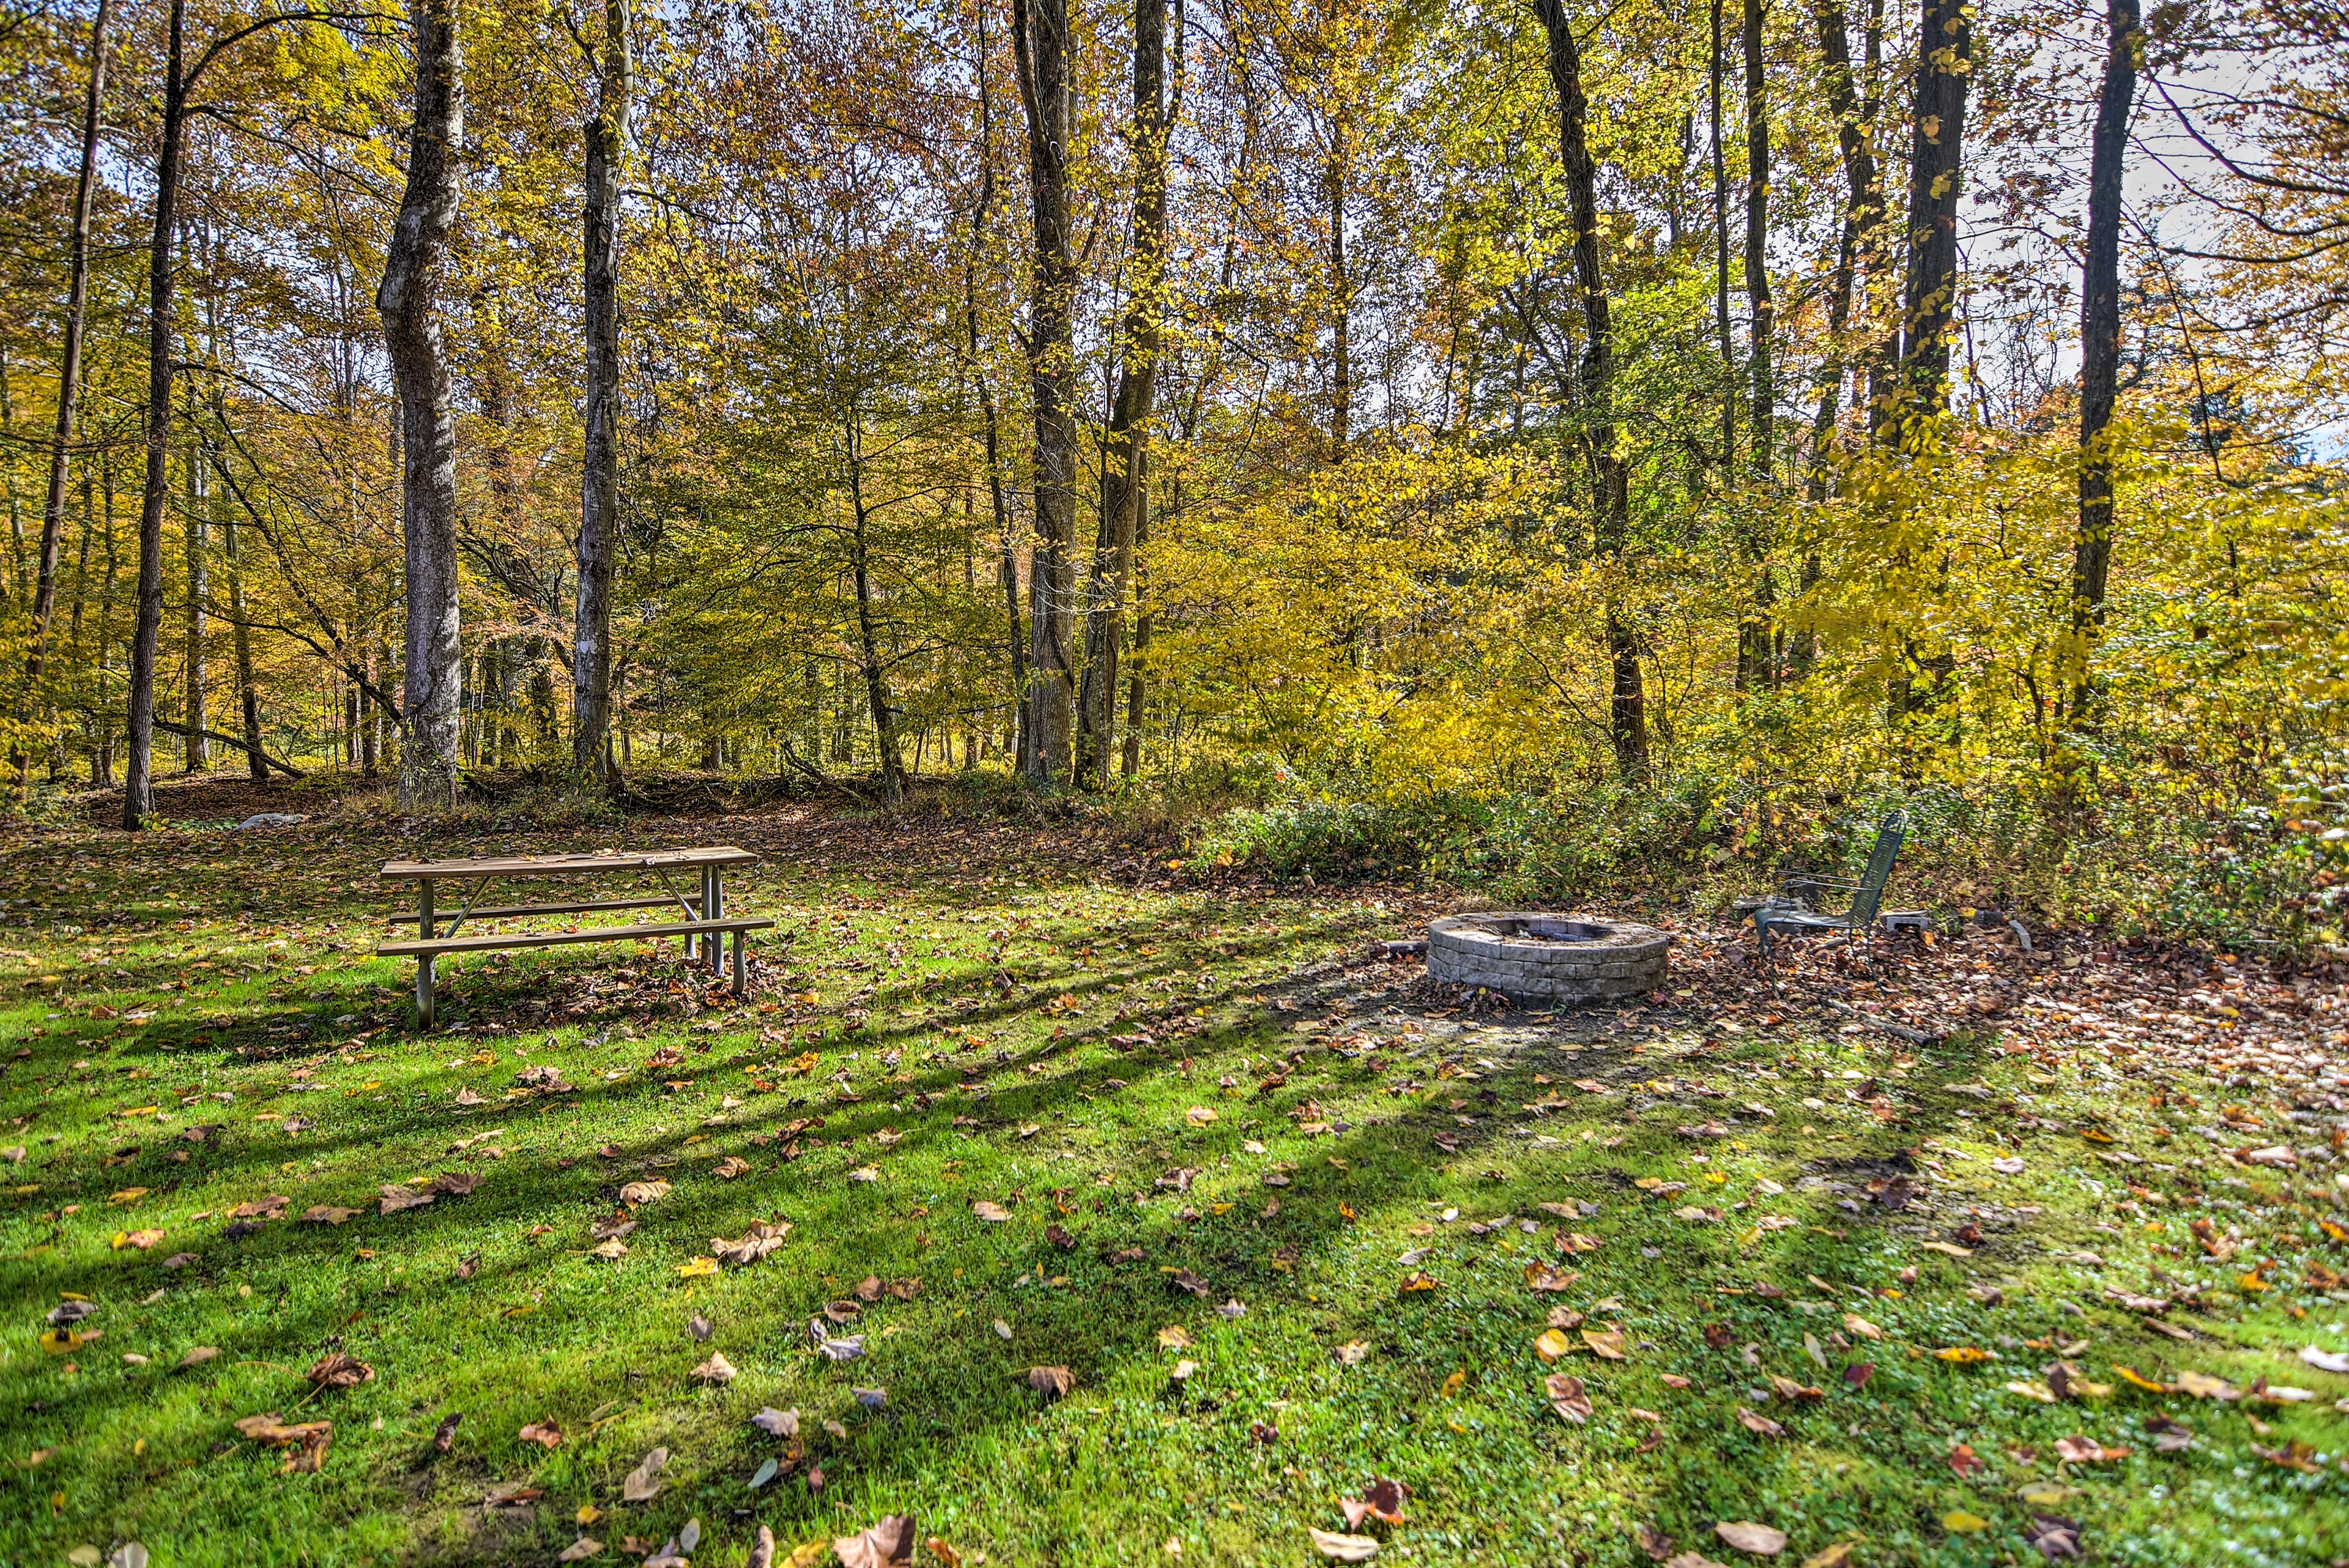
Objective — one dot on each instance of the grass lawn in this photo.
(1024, 1100)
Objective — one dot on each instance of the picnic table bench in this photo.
(705, 927)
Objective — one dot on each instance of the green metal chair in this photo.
(1788, 911)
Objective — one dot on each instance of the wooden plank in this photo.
(513, 911)
(556, 939)
(571, 864)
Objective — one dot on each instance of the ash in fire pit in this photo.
(1566, 957)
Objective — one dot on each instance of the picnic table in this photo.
(705, 927)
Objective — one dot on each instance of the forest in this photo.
(1516, 440)
(1126, 543)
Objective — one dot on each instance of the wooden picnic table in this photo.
(704, 929)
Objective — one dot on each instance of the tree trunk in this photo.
(248, 693)
(1863, 217)
(1721, 258)
(137, 792)
(428, 756)
(1627, 721)
(2100, 342)
(599, 504)
(1040, 29)
(1137, 388)
(53, 514)
(877, 685)
(196, 527)
(102, 758)
(1928, 305)
(1763, 395)
(1136, 692)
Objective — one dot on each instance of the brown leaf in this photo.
(1655, 1543)
(642, 1484)
(445, 1433)
(643, 1191)
(1761, 1426)
(340, 1371)
(755, 1243)
(886, 1545)
(1746, 1536)
(1568, 1397)
(396, 1197)
(1607, 1342)
(988, 1213)
(717, 1369)
(1050, 1381)
(729, 1167)
(323, 1214)
(456, 1183)
(546, 1434)
(307, 1440)
(1964, 1460)
(1340, 1548)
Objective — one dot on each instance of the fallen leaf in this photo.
(886, 1545)
(643, 1191)
(1746, 1536)
(1963, 1354)
(581, 1550)
(1051, 1382)
(642, 1485)
(546, 1434)
(755, 1243)
(324, 1214)
(1607, 1342)
(1340, 1548)
(1568, 1397)
(698, 1267)
(340, 1371)
(398, 1196)
(990, 1213)
(1759, 1425)
(779, 1423)
(307, 1440)
(1552, 1344)
(2202, 1385)
(1958, 1522)
(2078, 1451)
(717, 1369)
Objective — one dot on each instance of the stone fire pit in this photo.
(1568, 957)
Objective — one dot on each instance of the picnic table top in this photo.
(571, 864)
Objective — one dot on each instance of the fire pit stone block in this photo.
(1561, 957)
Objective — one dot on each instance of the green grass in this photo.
(1063, 1096)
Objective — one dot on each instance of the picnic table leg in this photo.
(739, 937)
(424, 959)
(713, 907)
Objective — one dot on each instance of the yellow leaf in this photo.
(699, 1268)
(1552, 1344)
(2135, 1379)
(1963, 1354)
(1453, 1385)
(1959, 1523)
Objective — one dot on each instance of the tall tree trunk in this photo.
(1757, 664)
(1136, 692)
(1862, 220)
(1609, 484)
(1337, 175)
(885, 742)
(1040, 40)
(248, 693)
(53, 514)
(1721, 256)
(1761, 399)
(408, 301)
(1928, 305)
(196, 528)
(101, 759)
(599, 501)
(1137, 389)
(137, 792)
(2100, 342)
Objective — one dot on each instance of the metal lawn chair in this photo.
(1789, 912)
